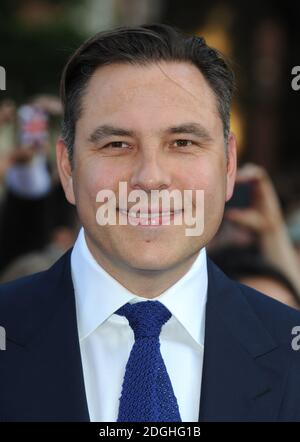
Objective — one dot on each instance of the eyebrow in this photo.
(101, 132)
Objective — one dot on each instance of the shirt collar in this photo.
(98, 295)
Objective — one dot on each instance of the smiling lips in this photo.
(146, 218)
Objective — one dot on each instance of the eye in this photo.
(116, 144)
(184, 143)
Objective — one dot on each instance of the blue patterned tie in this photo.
(147, 393)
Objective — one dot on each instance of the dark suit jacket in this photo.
(250, 371)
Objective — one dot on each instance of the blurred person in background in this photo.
(293, 225)
(27, 182)
(63, 229)
(261, 226)
(150, 106)
(252, 269)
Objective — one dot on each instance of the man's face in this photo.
(147, 102)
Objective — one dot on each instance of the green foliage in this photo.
(34, 56)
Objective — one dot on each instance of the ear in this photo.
(231, 165)
(65, 170)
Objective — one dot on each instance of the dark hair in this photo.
(141, 45)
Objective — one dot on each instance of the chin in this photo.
(152, 261)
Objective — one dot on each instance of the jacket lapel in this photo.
(243, 368)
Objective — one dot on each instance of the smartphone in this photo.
(32, 124)
(242, 197)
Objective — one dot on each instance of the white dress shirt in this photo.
(106, 339)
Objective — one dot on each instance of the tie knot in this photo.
(146, 318)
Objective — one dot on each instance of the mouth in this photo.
(150, 219)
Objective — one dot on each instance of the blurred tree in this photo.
(36, 38)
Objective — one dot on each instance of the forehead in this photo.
(152, 90)
(146, 99)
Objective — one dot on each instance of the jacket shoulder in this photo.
(24, 288)
(279, 318)
(28, 301)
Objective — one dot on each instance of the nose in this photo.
(151, 172)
